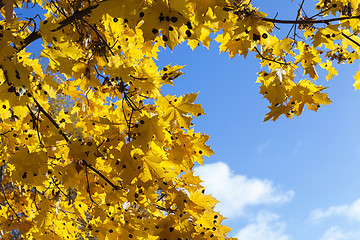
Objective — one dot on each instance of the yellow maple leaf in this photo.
(331, 70)
(178, 111)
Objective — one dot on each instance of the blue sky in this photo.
(285, 180)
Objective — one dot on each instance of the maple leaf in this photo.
(205, 201)
(177, 111)
(29, 168)
(170, 73)
(276, 112)
(149, 127)
(326, 36)
(159, 18)
(331, 70)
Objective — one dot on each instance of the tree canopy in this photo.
(91, 147)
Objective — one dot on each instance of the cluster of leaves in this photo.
(117, 163)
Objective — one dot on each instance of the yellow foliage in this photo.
(90, 145)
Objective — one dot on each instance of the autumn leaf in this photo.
(178, 111)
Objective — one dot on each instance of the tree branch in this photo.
(76, 15)
(268, 59)
(350, 39)
(116, 187)
(51, 120)
(3, 191)
(308, 20)
(35, 124)
(88, 187)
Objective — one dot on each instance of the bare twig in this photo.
(53, 180)
(268, 59)
(77, 15)
(323, 11)
(88, 187)
(3, 191)
(37, 208)
(309, 20)
(64, 211)
(137, 78)
(3, 134)
(35, 123)
(51, 120)
(350, 39)
(116, 187)
(58, 9)
(99, 36)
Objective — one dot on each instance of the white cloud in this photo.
(265, 226)
(335, 233)
(235, 192)
(351, 212)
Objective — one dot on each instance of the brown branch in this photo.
(137, 78)
(88, 188)
(51, 120)
(76, 15)
(53, 180)
(3, 191)
(3, 134)
(350, 39)
(116, 187)
(35, 124)
(99, 36)
(58, 9)
(165, 209)
(323, 11)
(37, 208)
(297, 18)
(268, 59)
(308, 20)
(64, 211)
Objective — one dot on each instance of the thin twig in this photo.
(51, 120)
(98, 73)
(116, 187)
(59, 188)
(129, 125)
(137, 78)
(3, 191)
(99, 36)
(297, 18)
(350, 39)
(88, 188)
(77, 15)
(3, 134)
(323, 11)
(64, 211)
(37, 129)
(37, 208)
(308, 20)
(35, 123)
(268, 59)
(58, 9)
